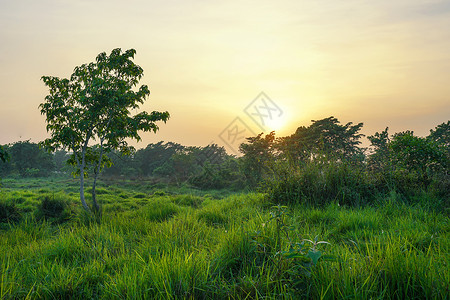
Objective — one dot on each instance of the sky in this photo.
(226, 70)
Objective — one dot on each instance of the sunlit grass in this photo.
(158, 245)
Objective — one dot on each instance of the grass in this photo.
(170, 244)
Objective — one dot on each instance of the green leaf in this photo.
(314, 255)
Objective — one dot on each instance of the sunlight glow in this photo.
(276, 124)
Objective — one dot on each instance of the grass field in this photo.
(155, 242)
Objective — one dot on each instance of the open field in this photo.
(155, 242)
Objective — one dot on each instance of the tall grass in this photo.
(197, 247)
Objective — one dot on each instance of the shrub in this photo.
(319, 184)
(9, 212)
(159, 193)
(54, 209)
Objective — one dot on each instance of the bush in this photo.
(54, 209)
(9, 212)
(319, 184)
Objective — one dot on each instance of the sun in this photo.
(276, 123)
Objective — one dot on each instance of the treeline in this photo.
(207, 167)
(322, 161)
(325, 162)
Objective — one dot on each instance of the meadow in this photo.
(165, 242)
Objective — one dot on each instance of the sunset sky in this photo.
(384, 63)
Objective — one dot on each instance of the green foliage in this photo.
(219, 176)
(441, 134)
(321, 183)
(159, 209)
(297, 260)
(409, 164)
(95, 105)
(60, 159)
(4, 156)
(28, 160)
(419, 155)
(323, 138)
(258, 155)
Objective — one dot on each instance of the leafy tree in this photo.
(121, 165)
(417, 154)
(60, 159)
(94, 105)
(154, 156)
(4, 158)
(379, 159)
(3, 154)
(218, 176)
(258, 156)
(441, 134)
(212, 154)
(29, 160)
(337, 140)
(323, 139)
(184, 164)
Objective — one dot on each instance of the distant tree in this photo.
(184, 164)
(29, 160)
(121, 165)
(4, 159)
(3, 154)
(212, 154)
(94, 105)
(379, 159)
(417, 154)
(258, 156)
(60, 159)
(441, 134)
(155, 156)
(217, 176)
(324, 139)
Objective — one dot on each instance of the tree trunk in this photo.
(83, 200)
(96, 206)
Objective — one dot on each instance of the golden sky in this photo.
(384, 63)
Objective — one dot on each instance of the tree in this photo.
(4, 158)
(60, 159)
(379, 159)
(155, 156)
(417, 154)
(325, 138)
(3, 154)
(29, 160)
(258, 157)
(441, 134)
(94, 105)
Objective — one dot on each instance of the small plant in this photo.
(159, 193)
(299, 257)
